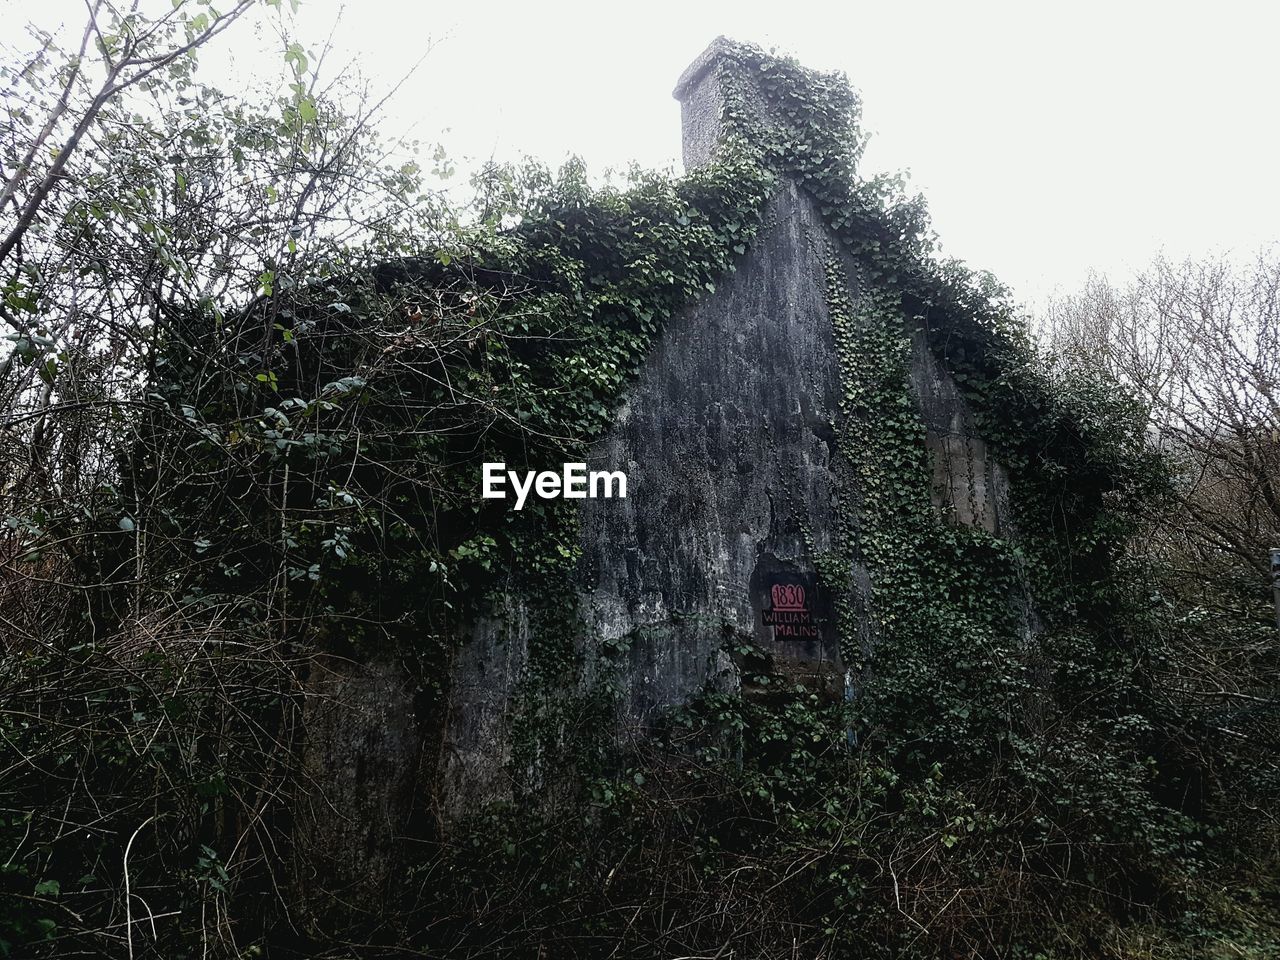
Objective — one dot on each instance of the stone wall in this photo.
(734, 483)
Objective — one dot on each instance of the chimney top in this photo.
(703, 62)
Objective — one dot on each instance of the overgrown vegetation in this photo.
(244, 410)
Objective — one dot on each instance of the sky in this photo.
(1049, 139)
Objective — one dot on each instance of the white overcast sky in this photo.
(1049, 138)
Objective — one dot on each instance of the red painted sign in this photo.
(791, 615)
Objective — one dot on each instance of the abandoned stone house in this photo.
(727, 438)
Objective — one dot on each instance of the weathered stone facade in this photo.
(736, 485)
(737, 489)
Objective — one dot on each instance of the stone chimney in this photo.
(701, 101)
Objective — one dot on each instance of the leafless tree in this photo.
(1199, 343)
